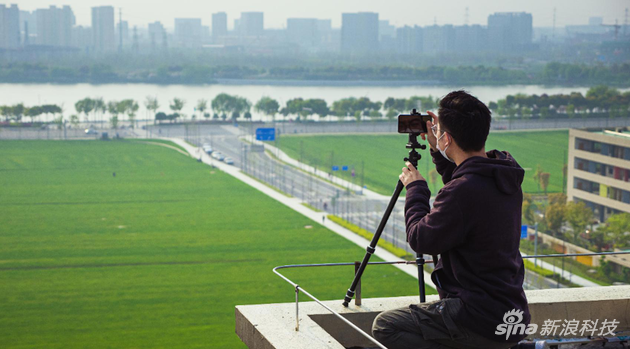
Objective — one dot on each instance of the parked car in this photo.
(217, 155)
(207, 149)
(89, 131)
(229, 161)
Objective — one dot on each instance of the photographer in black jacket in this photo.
(474, 225)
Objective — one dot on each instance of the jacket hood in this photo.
(500, 165)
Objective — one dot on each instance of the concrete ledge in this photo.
(273, 325)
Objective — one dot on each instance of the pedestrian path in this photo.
(296, 205)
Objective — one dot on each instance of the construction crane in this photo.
(617, 26)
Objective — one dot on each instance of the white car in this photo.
(208, 149)
(229, 161)
(89, 131)
(217, 155)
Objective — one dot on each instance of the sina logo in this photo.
(512, 324)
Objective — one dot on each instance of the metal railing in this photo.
(299, 289)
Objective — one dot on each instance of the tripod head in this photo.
(413, 144)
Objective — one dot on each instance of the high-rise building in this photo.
(103, 29)
(54, 26)
(359, 32)
(188, 32)
(219, 25)
(470, 38)
(9, 26)
(303, 32)
(82, 38)
(438, 39)
(409, 39)
(122, 33)
(510, 31)
(156, 34)
(251, 24)
(28, 27)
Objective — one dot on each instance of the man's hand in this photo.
(410, 174)
(430, 136)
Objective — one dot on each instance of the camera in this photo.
(414, 123)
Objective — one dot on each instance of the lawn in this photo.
(378, 159)
(121, 244)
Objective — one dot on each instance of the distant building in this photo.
(510, 31)
(386, 36)
(599, 171)
(28, 27)
(219, 26)
(359, 32)
(409, 40)
(82, 38)
(251, 24)
(188, 32)
(122, 34)
(470, 38)
(9, 26)
(438, 39)
(157, 35)
(103, 29)
(54, 26)
(303, 32)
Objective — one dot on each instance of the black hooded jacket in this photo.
(475, 226)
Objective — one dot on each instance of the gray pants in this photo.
(428, 325)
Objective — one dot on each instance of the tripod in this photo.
(413, 159)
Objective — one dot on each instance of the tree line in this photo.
(599, 101)
(550, 73)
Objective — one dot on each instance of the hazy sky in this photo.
(398, 12)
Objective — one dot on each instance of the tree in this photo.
(85, 106)
(177, 105)
(579, 216)
(114, 122)
(555, 215)
(33, 112)
(221, 104)
(113, 110)
(74, 120)
(159, 117)
(267, 106)
(202, 105)
(17, 111)
(151, 103)
(557, 198)
(544, 181)
(100, 107)
(537, 174)
(618, 225)
(5, 110)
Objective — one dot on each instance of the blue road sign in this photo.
(265, 134)
(523, 231)
(344, 168)
(335, 168)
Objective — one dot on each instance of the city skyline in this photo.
(277, 12)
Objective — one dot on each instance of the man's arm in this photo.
(444, 167)
(436, 230)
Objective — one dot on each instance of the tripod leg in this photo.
(372, 247)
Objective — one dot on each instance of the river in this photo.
(67, 95)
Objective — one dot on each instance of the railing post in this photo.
(357, 294)
(297, 308)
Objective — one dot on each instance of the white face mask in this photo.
(443, 152)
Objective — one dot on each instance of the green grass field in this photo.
(381, 156)
(156, 256)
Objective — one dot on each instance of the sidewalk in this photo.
(296, 205)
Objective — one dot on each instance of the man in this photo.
(475, 226)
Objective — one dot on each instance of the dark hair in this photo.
(466, 119)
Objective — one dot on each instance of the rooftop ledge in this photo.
(273, 325)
